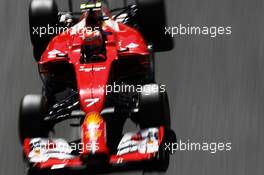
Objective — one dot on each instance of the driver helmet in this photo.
(92, 44)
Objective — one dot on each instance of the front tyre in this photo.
(32, 110)
(154, 110)
(152, 22)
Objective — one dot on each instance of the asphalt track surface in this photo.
(216, 86)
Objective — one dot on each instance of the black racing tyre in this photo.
(32, 110)
(43, 14)
(152, 22)
(35, 171)
(162, 160)
(154, 110)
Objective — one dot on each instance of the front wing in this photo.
(135, 148)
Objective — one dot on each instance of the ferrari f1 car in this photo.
(100, 71)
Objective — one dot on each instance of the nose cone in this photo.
(94, 135)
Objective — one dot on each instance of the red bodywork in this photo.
(122, 42)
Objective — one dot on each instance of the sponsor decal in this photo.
(132, 45)
(53, 53)
(91, 101)
(93, 122)
(89, 69)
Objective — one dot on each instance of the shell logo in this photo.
(93, 122)
(94, 118)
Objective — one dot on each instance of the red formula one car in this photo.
(97, 68)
